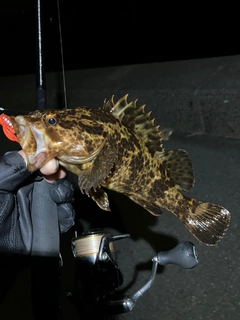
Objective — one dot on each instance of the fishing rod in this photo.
(40, 74)
(40, 70)
(45, 268)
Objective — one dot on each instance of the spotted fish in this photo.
(118, 147)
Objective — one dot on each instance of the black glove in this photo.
(62, 192)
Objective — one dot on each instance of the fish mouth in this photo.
(24, 134)
(17, 129)
(33, 143)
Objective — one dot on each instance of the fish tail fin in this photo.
(207, 222)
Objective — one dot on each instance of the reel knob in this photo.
(183, 255)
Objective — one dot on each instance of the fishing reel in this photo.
(94, 255)
(98, 276)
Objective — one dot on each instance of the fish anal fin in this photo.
(179, 168)
(207, 222)
(151, 208)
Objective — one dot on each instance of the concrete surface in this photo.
(191, 96)
(211, 290)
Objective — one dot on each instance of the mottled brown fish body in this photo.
(152, 188)
(118, 147)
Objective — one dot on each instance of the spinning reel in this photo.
(98, 276)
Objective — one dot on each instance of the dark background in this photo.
(99, 33)
(131, 32)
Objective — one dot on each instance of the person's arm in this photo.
(13, 171)
(61, 192)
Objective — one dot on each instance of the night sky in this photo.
(99, 34)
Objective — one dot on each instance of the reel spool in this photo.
(96, 267)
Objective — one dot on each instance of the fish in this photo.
(118, 147)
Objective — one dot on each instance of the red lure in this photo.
(7, 127)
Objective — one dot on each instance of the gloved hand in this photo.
(62, 192)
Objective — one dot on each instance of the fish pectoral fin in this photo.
(87, 180)
(101, 198)
(95, 173)
(179, 168)
(151, 208)
(208, 223)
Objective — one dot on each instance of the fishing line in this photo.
(62, 59)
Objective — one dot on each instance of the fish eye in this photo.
(52, 121)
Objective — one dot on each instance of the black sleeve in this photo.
(13, 171)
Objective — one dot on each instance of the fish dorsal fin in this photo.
(137, 119)
(179, 168)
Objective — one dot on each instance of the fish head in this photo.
(71, 135)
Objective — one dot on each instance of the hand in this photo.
(51, 170)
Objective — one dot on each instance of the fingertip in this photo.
(51, 167)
